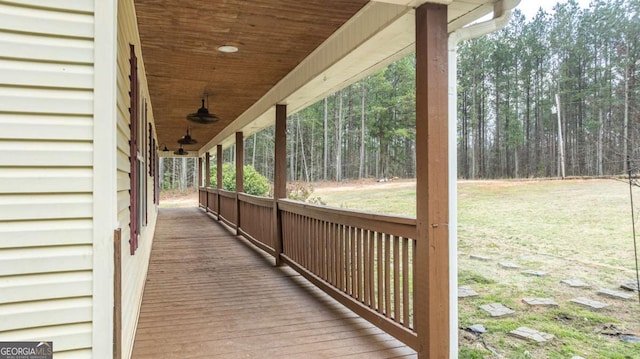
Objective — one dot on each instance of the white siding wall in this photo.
(46, 176)
(134, 268)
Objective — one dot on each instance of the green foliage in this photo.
(302, 191)
(468, 353)
(254, 183)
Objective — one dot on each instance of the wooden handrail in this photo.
(227, 194)
(394, 225)
(256, 200)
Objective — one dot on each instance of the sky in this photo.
(530, 7)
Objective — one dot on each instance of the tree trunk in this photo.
(339, 140)
(600, 143)
(362, 131)
(326, 139)
(560, 141)
(302, 154)
(183, 176)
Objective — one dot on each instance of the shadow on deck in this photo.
(211, 294)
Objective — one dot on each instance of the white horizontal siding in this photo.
(134, 268)
(46, 127)
(45, 206)
(37, 233)
(45, 153)
(21, 261)
(45, 313)
(32, 180)
(46, 174)
(64, 337)
(46, 74)
(80, 6)
(45, 286)
(46, 22)
(44, 48)
(46, 100)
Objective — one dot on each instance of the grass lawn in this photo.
(573, 229)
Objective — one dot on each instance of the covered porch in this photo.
(397, 274)
(210, 294)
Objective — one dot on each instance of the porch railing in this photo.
(228, 211)
(258, 222)
(212, 200)
(365, 261)
(202, 196)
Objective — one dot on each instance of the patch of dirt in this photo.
(177, 199)
(363, 184)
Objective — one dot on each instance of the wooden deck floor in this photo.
(210, 294)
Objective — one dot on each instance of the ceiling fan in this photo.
(202, 115)
(187, 140)
(180, 152)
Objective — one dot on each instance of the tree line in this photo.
(560, 83)
(561, 88)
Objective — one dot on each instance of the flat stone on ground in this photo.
(575, 283)
(536, 273)
(497, 310)
(466, 291)
(542, 302)
(479, 257)
(531, 334)
(509, 265)
(591, 304)
(614, 294)
(477, 328)
(632, 286)
(576, 357)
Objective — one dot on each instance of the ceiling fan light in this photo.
(187, 140)
(202, 115)
(227, 48)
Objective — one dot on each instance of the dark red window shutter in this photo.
(133, 150)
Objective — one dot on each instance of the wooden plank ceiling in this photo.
(179, 48)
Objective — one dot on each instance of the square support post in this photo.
(431, 284)
(279, 176)
(207, 170)
(218, 178)
(200, 173)
(239, 175)
(207, 179)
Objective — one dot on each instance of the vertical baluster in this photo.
(387, 276)
(396, 278)
(340, 238)
(315, 255)
(359, 269)
(347, 259)
(380, 273)
(366, 275)
(334, 260)
(413, 269)
(372, 297)
(320, 243)
(405, 282)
